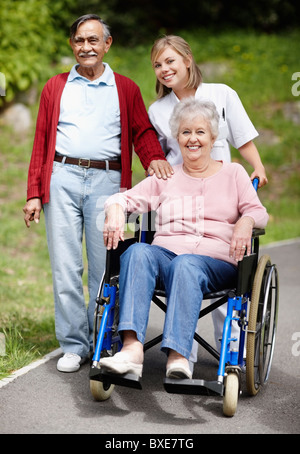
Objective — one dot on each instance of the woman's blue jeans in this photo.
(75, 211)
(186, 278)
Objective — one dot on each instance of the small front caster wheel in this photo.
(101, 391)
(231, 395)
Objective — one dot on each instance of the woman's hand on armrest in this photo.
(114, 225)
(241, 238)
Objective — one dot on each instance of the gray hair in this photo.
(86, 17)
(191, 108)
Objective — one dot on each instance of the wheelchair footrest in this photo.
(196, 387)
(128, 380)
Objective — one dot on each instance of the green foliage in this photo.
(65, 12)
(15, 356)
(26, 300)
(34, 33)
(25, 341)
(136, 21)
(29, 44)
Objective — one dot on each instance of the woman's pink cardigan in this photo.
(196, 215)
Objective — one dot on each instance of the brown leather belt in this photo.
(87, 163)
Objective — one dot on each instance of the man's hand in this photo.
(32, 211)
(161, 168)
(114, 224)
(241, 238)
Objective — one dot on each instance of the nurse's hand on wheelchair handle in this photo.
(114, 224)
(261, 176)
(241, 238)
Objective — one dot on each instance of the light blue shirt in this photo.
(89, 121)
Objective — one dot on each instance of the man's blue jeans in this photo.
(77, 197)
(186, 279)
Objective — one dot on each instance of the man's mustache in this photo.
(88, 54)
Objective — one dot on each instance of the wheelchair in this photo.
(253, 304)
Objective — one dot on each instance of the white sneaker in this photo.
(70, 362)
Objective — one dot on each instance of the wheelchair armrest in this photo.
(246, 272)
(112, 267)
(257, 232)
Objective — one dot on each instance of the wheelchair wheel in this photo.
(231, 394)
(102, 390)
(262, 325)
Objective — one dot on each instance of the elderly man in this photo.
(88, 121)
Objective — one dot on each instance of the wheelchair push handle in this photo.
(255, 183)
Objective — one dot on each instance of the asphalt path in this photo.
(45, 401)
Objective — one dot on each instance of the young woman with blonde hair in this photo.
(178, 76)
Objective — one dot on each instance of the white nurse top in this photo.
(235, 126)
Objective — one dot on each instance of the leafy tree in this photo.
(33, 33)
(29, 42)
(33, 36)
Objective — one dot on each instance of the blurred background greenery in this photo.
(253, 46)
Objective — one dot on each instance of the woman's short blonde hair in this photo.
(183, 49)
(190, 108)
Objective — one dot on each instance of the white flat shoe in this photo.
(178, 370)
(120, 364)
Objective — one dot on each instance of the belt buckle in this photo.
(82, 165)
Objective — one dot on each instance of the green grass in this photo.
(26, 303)
(258, 67)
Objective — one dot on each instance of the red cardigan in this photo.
(135, 126)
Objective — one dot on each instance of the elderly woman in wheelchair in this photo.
(205, 215)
